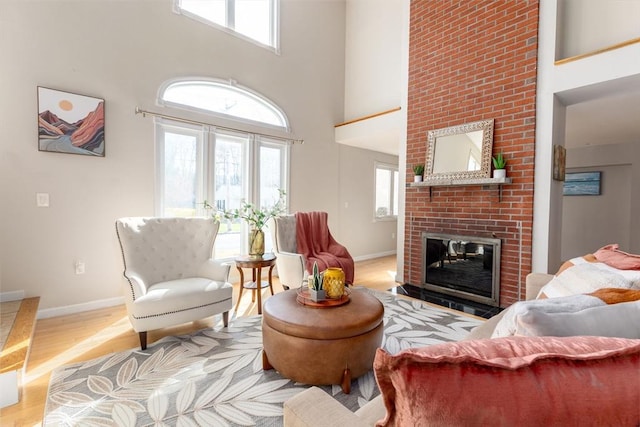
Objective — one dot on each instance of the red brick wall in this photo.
(472, 60)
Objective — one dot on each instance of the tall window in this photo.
(180, 180)
(255, 19)
(386, 203)
(198, 163)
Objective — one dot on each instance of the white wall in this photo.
(587, 26)
(590, 222)
(558, 87)
(373, 64)
(376, 46)
(122, 52)
(376, 38)
(357, 205)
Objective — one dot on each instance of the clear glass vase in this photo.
(256, 242)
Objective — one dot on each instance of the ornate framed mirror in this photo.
(460, 152)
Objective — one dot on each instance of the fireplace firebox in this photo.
(466, 267)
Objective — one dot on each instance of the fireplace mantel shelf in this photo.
(460, 182)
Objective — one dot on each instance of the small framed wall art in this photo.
(582, 184)
(559, 162)
(70, 123)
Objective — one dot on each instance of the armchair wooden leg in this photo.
(143, 340)
(225, 319)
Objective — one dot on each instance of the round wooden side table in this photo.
(256, 264)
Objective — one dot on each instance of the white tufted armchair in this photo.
(171, 276)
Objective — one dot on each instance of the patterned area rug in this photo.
(214, 377)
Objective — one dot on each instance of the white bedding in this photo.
(511, 323)
(608, 320)
(585, 277)
(566, 301)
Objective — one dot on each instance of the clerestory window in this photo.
(255, 19)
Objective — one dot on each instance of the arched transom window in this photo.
(223, 97)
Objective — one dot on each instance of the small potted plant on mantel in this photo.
(315, 284)
(499, 165)
(418, 170)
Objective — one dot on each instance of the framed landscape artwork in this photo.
(582, 184)
(70, 123)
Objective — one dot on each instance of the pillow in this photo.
(614, 257)
(575, 261)
(587, 277)
(539, 317)
(513, 381)
(616, 320)
(510, 324)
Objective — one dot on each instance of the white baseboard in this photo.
(11, 296)
(79, 308)
(372, 256)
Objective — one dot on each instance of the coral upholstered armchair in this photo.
(301, 239)
(171, 276)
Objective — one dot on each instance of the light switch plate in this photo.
(42, 200)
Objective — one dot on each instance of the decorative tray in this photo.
(304, 298)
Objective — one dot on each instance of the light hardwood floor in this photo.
(66, 339)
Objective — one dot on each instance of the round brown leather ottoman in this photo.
(321, 346)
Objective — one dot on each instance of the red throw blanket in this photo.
(317, 244)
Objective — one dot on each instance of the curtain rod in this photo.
(196, 122)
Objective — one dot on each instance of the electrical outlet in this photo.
(393, 235)
(79, 267)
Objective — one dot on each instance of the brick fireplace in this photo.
(469, 61)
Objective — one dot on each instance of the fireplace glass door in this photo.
(463, 266)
